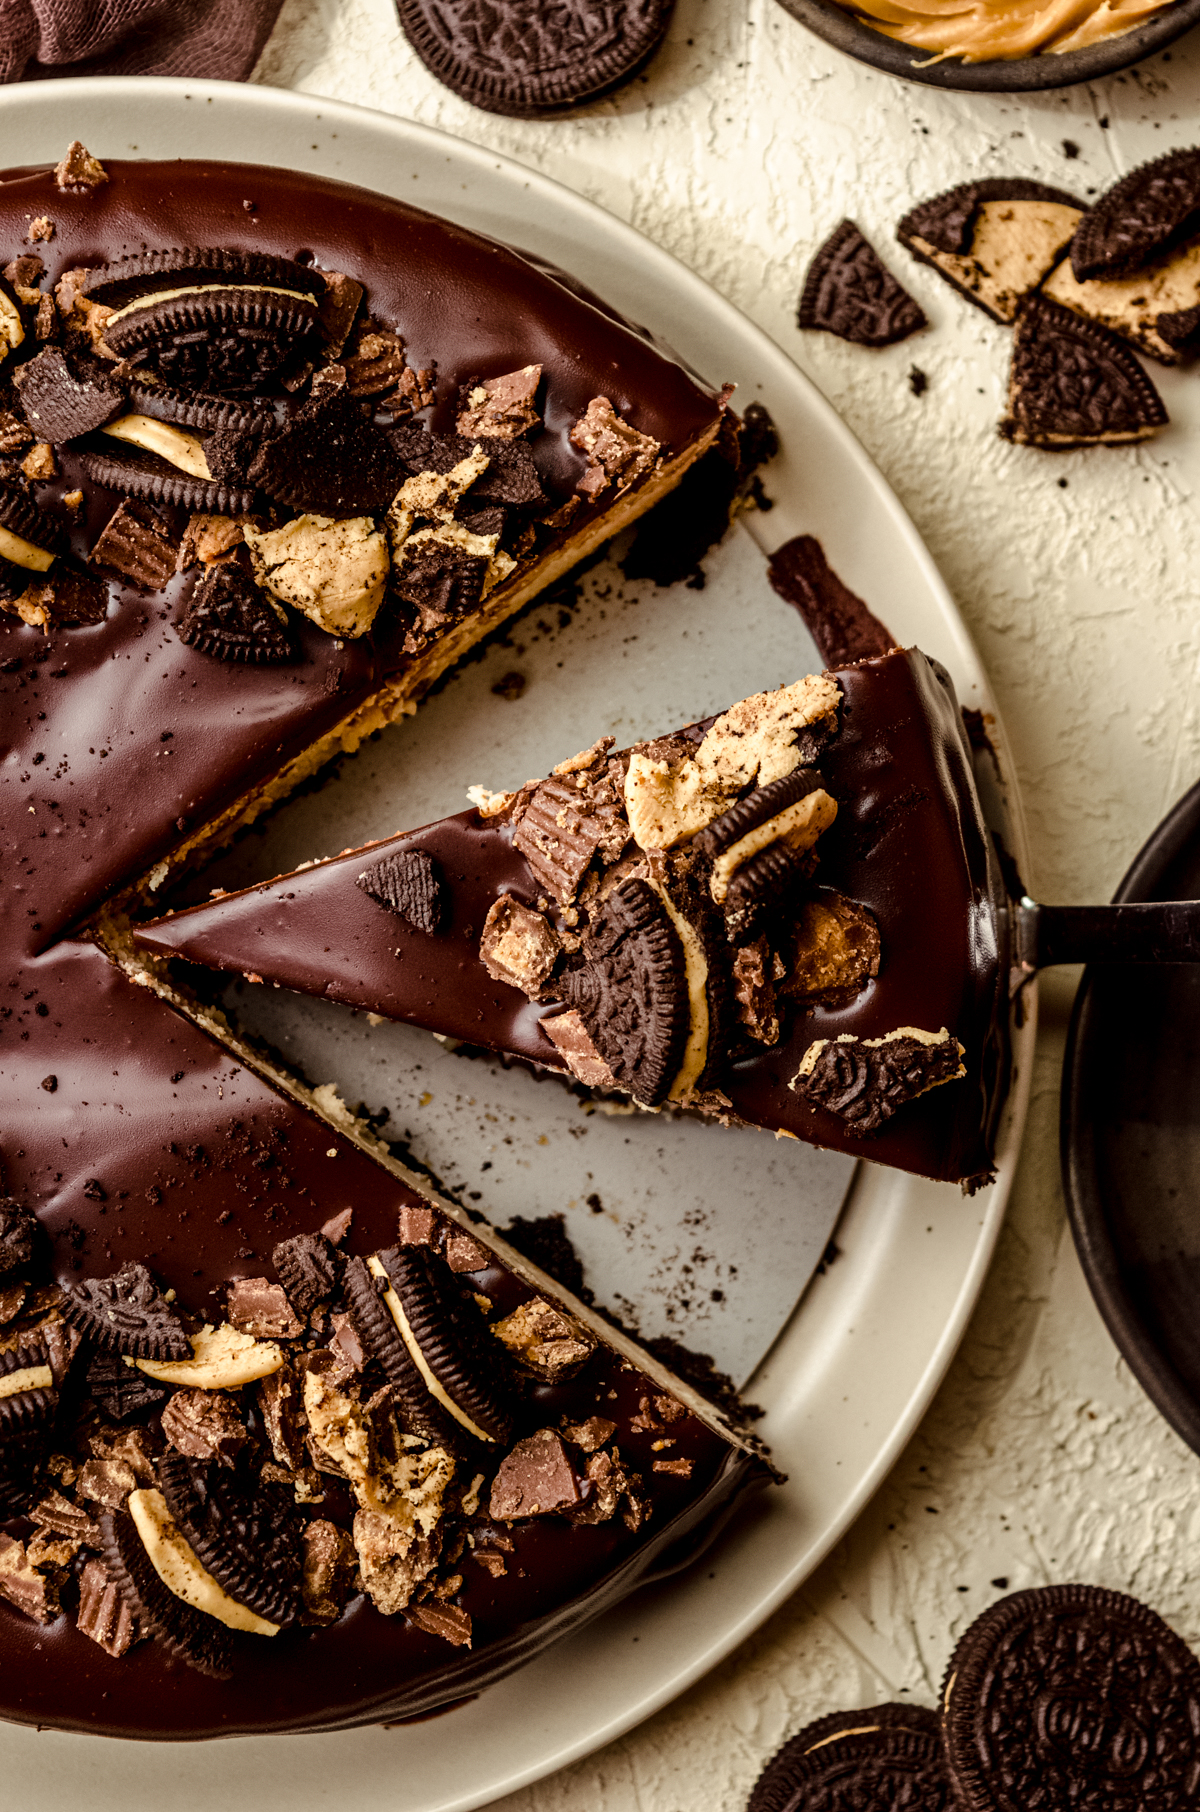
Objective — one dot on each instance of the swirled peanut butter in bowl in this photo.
(981, 31)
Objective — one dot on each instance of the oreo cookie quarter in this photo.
(1147, 213)
(885, 1757)
(524, 59)
(1072, 1698)
(849, 291)
(1074, 384)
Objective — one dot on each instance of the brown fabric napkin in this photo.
(213, 39)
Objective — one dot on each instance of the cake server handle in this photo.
(1155, 931)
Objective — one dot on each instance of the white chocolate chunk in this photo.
(180, 1570)
(436, 1390)
(23, 553)
(222, 1359)
(333, 570)
(170, 443)
(29, 1377)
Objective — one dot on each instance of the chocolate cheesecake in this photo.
(286, 1442)
(738, 918)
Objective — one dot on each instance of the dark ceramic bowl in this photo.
(1004, 75)
(1131, 1140)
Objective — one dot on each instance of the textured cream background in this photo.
(745, 142)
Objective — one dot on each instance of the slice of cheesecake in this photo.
(789, 916)
(277, 453)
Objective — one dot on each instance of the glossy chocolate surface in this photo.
(84, 711)
(909, 843)
(130, 1132)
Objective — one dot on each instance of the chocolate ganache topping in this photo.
(204, 1460)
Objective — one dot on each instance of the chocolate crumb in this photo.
(918, 382)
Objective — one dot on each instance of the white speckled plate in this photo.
(855, 1366)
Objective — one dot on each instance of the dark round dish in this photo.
(1003, 75)
(1130, 1129)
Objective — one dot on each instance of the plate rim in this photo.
(1090, 1229)
(91, 95)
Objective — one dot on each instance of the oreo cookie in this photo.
(28, 1405)
(382, 1340)
(128, 279)
(632, 993)
(887, 1757)
(758, 808)
(995, 240)
(329, 457)
(244, 1532)
(1072, 1698)
(1149, 212)
(308, 1267)
(850, 292)
(408, 883)
(127, 1313)
(60, 402)
(230, 617)
(1075, 384)
(865, 1081)
(449, 1333)
(36, 537)
(122, 1391)
(210, 319)
(525, 61)
(147, 475)
(199, 1640)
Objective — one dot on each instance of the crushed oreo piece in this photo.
(230, 617)
(761, 886)
(128, 1313)
(60, 403)
(331, 458)
(121, 1390)
(136, 543)
(632, 993)
(452, 1338)
(843, 627)
(409, 884)
(443, 579)
(504, 407)
(1149, 212)
(1075, 384)
(865, 1081)
(74, 596)
(201, 1641)
(140, 473)
(850, 292)
(22, 516)
(308, 1268)
(246, 1534)
(18, 1235)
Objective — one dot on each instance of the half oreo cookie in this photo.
(464, 1369)
(995, 241)
(209, 318)
(1074, 384)
(139, 473)
(886, 1757)
(525, 60)
(247, 1534)
(230, 617)
(1147, 213)
(850, 292)
(381, 1339)
(1071, 1698)
(199, 1640)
